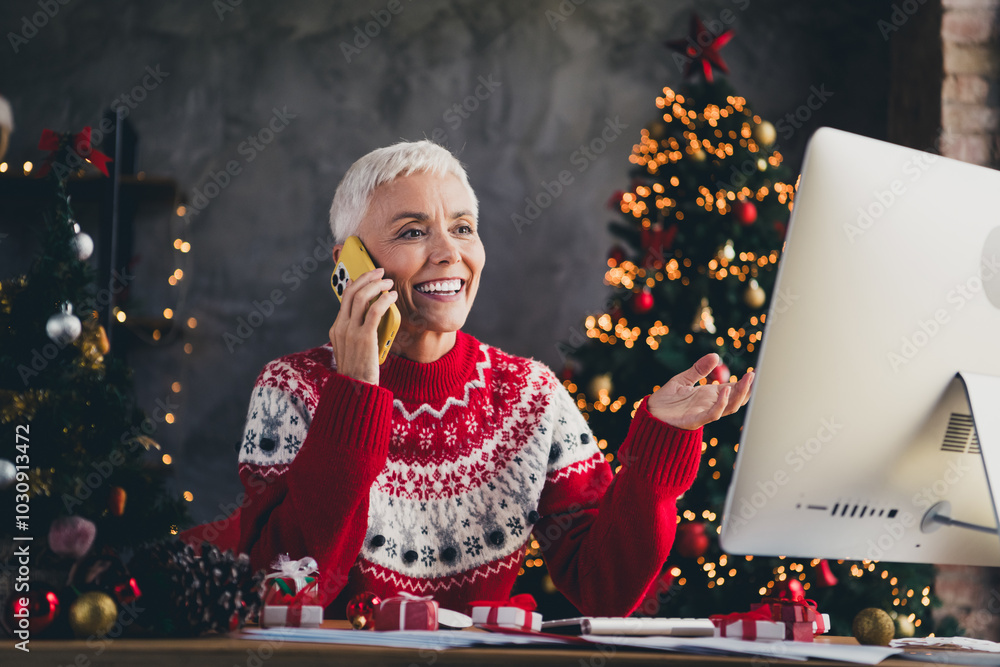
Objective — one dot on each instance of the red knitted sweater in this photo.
(433, 481)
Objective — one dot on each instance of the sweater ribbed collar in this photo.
(413, 381)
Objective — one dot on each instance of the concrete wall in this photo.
(223, 75)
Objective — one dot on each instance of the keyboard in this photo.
(599, 625)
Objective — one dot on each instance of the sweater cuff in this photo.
(351, 428)
(664, 454)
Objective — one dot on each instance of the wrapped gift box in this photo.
(800, 631)
(517, 613)
(306, 616)
(507, 617)
(291, 595)
(794, 611)
(407, 612)
(819, 628)
(751, 629)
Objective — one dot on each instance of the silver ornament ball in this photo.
(83, 246)
(7, 473)
(64, 328)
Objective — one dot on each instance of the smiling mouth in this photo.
(447, 287)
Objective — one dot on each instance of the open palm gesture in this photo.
(684, 404)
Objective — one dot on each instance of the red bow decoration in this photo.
(78, 143)
(523, 601)
(701, 48)
(749, 618)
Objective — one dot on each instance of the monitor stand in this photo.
(983, 392)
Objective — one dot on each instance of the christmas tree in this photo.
(77, 463)
(701, 230)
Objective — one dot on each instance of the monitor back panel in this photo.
(856, 425)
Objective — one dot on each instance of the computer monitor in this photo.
(857, 425)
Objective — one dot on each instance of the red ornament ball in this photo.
(691, 541)
(719, 374)
(643, 301)
(746, 212)
(42, 609)
(361, 610)
(791, 589)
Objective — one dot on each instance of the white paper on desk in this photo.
(788, 650)
(438, 640)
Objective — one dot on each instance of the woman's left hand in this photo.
(684, 404)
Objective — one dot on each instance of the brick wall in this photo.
(970, 108)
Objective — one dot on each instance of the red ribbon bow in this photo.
(79, 143)
(749, 618)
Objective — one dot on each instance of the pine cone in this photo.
(186, 595)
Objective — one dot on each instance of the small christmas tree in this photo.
(77, 463)
(702, 228)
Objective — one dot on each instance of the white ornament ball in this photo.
(83, 246)
(63, 328)
(7, 473)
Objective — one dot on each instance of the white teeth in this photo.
(441, 286)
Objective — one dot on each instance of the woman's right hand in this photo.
(354, 334)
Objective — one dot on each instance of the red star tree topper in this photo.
(701, 47)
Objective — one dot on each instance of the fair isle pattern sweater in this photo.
(433, 481)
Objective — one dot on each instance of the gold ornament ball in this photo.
(600, 383)
(548, 586)
(873, 627)
(764, 133)
(761, 164)
(755, 295)
(93, 614)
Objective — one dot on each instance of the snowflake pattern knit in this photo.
(432, 481)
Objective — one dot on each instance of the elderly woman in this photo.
(429, 473)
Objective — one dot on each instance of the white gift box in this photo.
(763, 630)
(507, 617)
(826, 624)
(276, 616)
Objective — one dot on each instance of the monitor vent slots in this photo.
(850, 510)
(960, 436)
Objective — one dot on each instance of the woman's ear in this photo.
(336, 252)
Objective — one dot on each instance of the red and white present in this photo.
(793, 612)
(749, 626)
(306, 616)
(291, 595)
(516, 613)
(407, 612)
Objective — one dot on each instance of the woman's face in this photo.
(421, 229)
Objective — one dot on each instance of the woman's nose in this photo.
(445, 249)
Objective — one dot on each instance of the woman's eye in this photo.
(467, 229)
(408, 232)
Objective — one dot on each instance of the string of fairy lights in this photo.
(165, 333)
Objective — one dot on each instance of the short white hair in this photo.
(350, 202)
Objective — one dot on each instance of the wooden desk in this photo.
(222, 650)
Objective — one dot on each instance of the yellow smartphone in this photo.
(355, 261)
